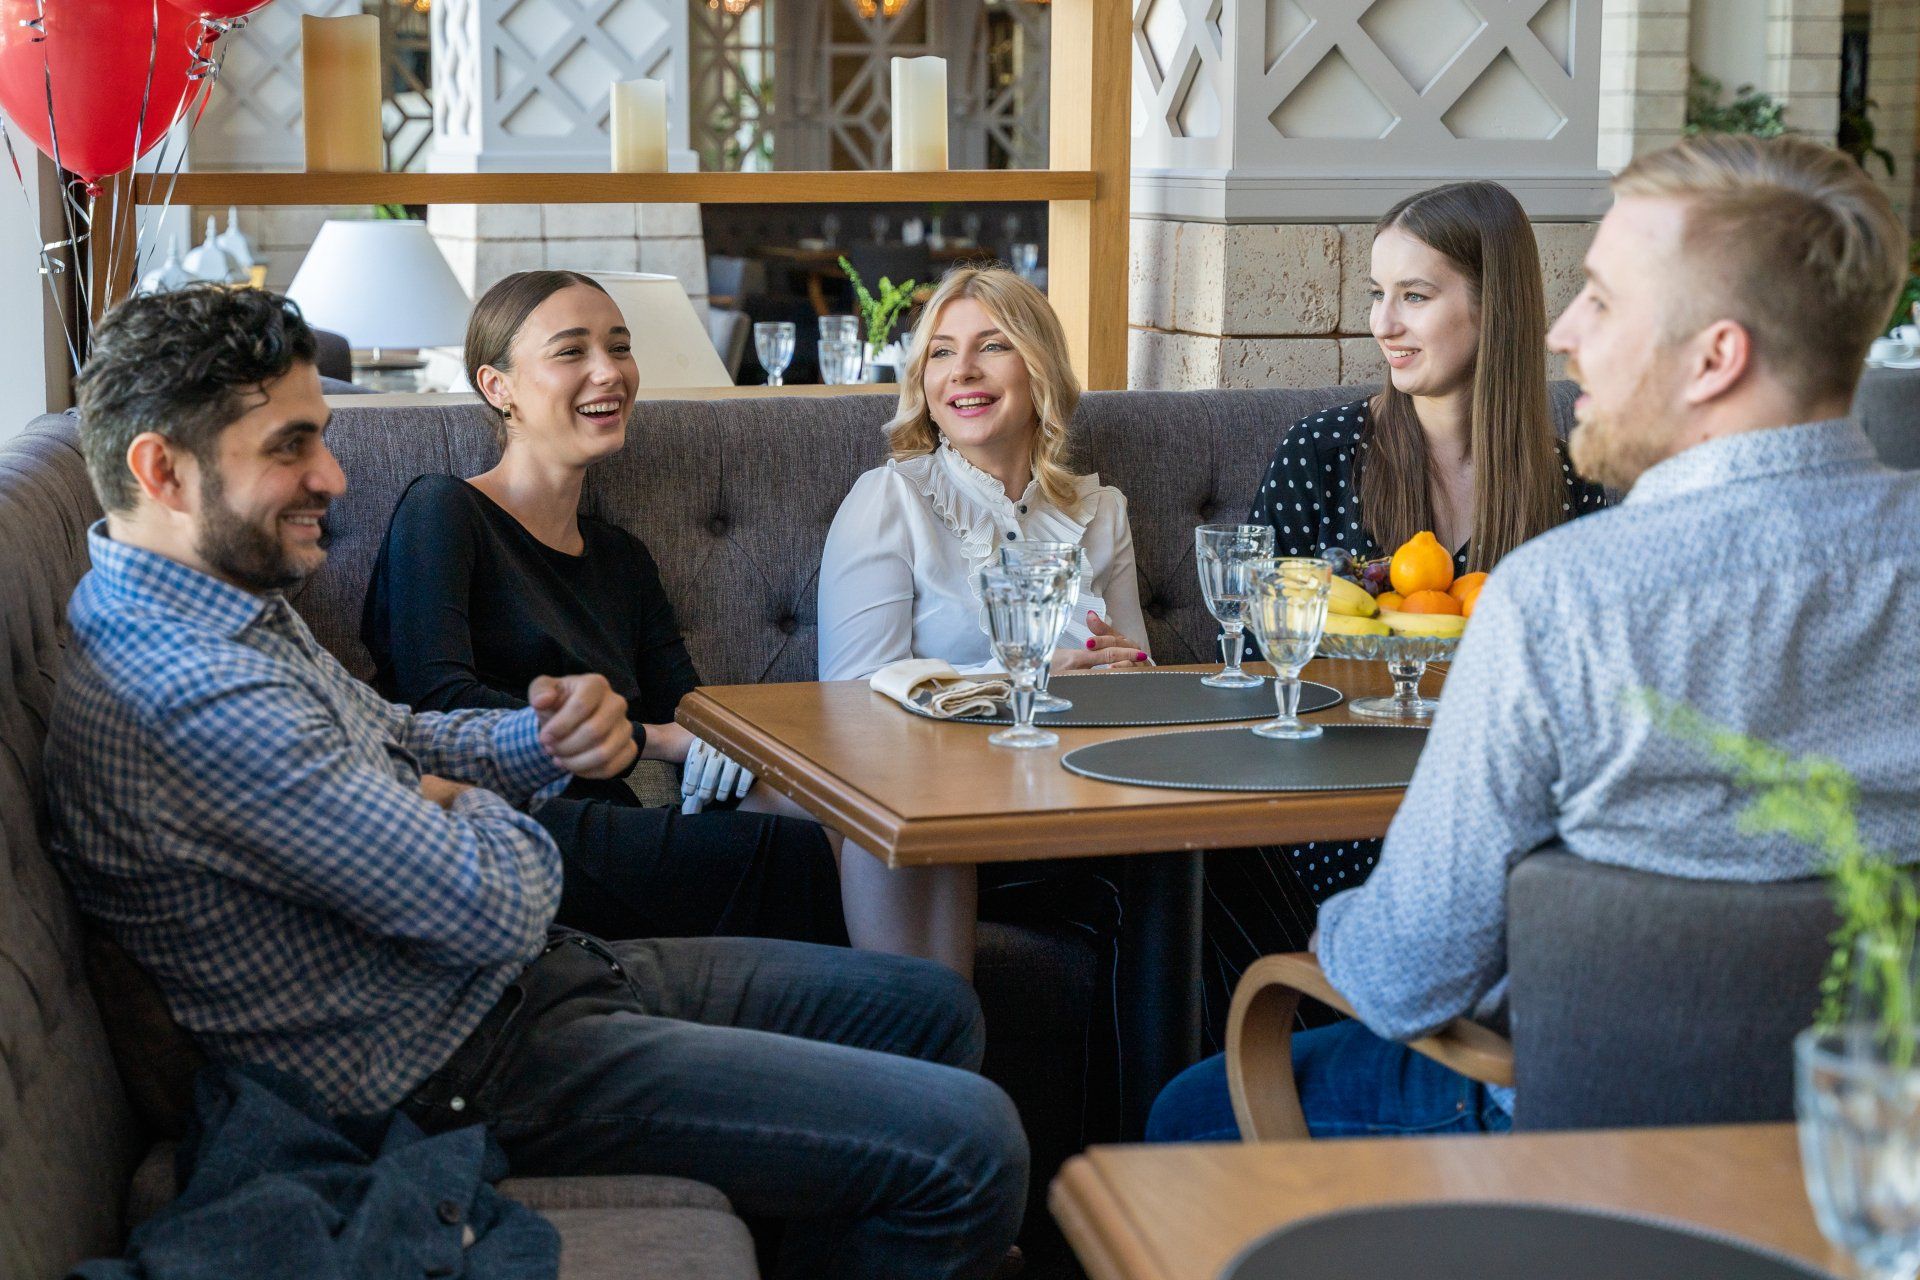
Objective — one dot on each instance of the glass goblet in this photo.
(840, 328)
(773, 343)
(1225, 554)
(1859, 1125)
(839, 361)
(1026, 259)
(1074, 559)
(1026, 608)
(1288, 610)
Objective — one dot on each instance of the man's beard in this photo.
(1616, 448)
(240, 550)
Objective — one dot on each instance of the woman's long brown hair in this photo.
(1519, 490)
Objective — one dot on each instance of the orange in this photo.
(1390, 600)
(1421, 564)
(1431, 602)
(1466, 589)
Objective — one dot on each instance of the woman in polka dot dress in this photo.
(1459, 441)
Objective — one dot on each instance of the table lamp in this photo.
(383, 284)
(670, 342)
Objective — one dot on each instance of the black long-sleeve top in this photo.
(466, 607)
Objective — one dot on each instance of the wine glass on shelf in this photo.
(1026, 609)
(1026, 259)
(773, 343)
(1287, 608)
(1225, 555)
(1070, 556)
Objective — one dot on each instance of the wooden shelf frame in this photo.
(1085, 188)
(797, 187)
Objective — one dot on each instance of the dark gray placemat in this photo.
(1504, 1242)
(1117, 699)
(1346, 757)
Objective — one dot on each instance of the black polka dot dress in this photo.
(1263, 901)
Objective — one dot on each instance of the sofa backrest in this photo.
(68, 1139)
(734, 498)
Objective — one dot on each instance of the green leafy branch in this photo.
(1812, 799)
(1751, 111)
(879, 313)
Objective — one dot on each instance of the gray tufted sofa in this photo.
(734, 498)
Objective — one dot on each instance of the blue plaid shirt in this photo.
(245, 819)
(1771, 580)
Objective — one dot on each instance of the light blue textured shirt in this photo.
(245, 819)
(1770, 580)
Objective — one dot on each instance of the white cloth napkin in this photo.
(954, 697)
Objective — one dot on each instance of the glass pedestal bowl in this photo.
(1406, 658)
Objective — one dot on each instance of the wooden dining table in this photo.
(1183, 1212)
(920, 792)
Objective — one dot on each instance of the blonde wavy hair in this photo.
(1025, 317)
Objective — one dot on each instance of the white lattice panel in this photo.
(254, 115)
(523, 83)
(1391, 88)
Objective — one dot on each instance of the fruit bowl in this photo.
(1406, 658)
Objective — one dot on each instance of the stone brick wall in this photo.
(1643, 77)
(1893, 82)
(487, 242)
(280, 236)
(1275, 305)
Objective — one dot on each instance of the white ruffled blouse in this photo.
(897, 575)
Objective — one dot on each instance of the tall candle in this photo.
(340, 63)
(639, 120)
(920, 114)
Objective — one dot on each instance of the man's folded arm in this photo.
(497, 750)
(267, 782)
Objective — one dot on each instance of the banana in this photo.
(1350, 599)
(1423, 624)
(1344, 624)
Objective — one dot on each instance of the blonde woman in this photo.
(978, 445)
(978, 462)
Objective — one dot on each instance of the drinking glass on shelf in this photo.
(880, 224)
(773, 343)
(1026, 259)
(1070, 556)
(839, 361)
(1225, 554)
(1288, 610)
(840, 328)
(1026, 609)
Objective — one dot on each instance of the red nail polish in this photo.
(1139, 657)
(1091, 644)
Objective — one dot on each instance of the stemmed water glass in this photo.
(1026, 610)
(1287, 607)
(1225, 554)
(839, 361)
(773, 343)
(1026, 259)
(1074, 558)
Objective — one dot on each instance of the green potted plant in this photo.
(879, 315)
(1857, 1086)
(1750, 111)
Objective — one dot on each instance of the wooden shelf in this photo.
(816, 187)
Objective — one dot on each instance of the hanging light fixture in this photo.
(735, 7)
(891, 8)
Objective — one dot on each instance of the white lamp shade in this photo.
(670, 343)
(381, 283)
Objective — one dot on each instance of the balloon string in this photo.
(206, 74)
(50, 266)
(125, 218)
(70, 209)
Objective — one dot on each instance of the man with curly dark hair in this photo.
(329, 884)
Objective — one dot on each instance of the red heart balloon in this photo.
(91, 58)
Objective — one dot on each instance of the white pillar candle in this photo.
(920, 114)
(340, 69)
(638, 110)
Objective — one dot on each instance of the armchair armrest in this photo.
(1266, 1100)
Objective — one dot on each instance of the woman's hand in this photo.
(1107, 648)
(667, 742)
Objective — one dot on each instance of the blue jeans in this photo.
(1352, 1084)
(834, 1089)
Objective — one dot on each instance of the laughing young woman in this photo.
(1459, 441)
(484, 583)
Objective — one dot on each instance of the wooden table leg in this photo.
(1159, 983)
